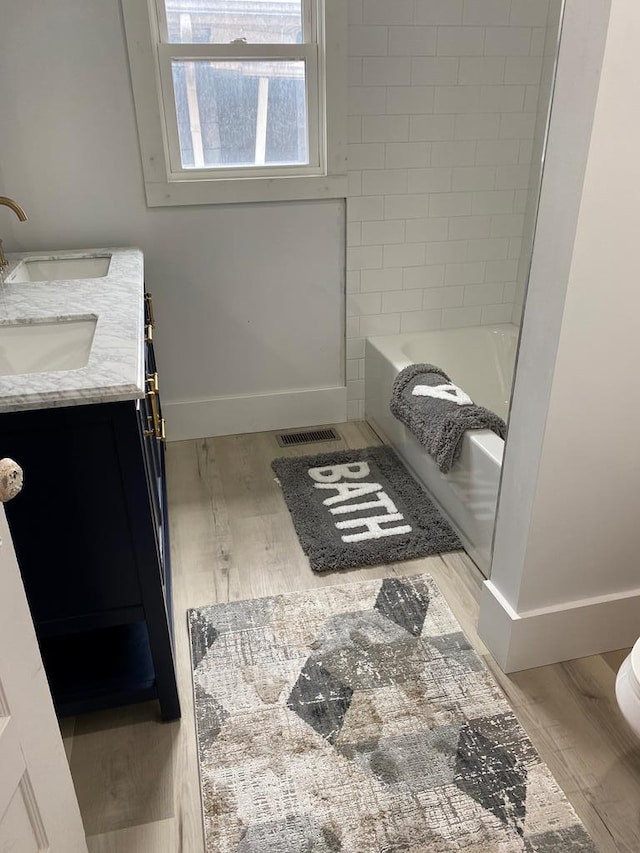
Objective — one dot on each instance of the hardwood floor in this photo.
(232, 538)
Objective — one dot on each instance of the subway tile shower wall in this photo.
(443, 102)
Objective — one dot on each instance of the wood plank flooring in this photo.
(232, 538)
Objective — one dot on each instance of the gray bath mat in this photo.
(360, 508)
(358, 719)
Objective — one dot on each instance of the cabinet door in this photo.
(38, 806)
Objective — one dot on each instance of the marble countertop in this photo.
(115, 369)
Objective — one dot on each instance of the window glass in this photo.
(226, 21)
(239, 114)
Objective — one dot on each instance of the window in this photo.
(239, 100)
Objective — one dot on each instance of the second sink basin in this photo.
(45, 347)
(59, 269)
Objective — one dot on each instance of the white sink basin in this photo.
(59, 269)
(45, 347)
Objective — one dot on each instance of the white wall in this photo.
(249, 298)
(565, 579)
(443, 99)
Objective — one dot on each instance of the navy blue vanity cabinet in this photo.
(90, 531)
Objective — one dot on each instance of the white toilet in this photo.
(628, 688)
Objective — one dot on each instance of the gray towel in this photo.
(439, 422)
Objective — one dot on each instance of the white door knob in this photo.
(11, 479)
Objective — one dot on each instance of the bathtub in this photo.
(480, 360)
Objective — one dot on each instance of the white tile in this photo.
(382, 324)
(474, 178)
(364, 258)
(520, 201)
(460, 274)
(507, 41)
(385, 128)
(523, 69)
(367, 100)
(381, 280)
(510, 290)
(497, 152)
(365, 156)
(469, 227)
(430, 180)
(415, 277)
(421, 321)
(529, 13)
(494, 314)
(459, 152)
(353, 368)
(407, 255)
(453, 318)
(355, 347)
(538, 38)
(385, 232)
(477, 126)
(355, 387)
(531, 99)
(460, 41)
(353, 327)
(483, 294)
(361, 368)
(427, 230)
(383, 12)
(412, 41)
(406, 206)
(518, 126)
(431, 127)
(515, 248)
(526, 152)
(457, 99)
(493, 202)
(512, 177)
(410, 100)
(450, 204)
(438, 11)
(501, 99)
(354, 12)
(402, 300)
(493, 249)
(409, 155)
(386, 71)
(384, 182)
(507, 225)
(447, 252)
(354, 183)
(361, 304)
(365, 208)
(501, 271)
(354, 71)
(353, 281)
(354, 129)
(354, 233)
(368, 41)
(486, 12)
(434, 70)
(475, 70)
(442, 297)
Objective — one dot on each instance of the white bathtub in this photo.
(480, 360)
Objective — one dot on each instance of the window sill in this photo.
(234, 191)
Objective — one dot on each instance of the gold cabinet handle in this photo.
(149, 303)
(152, 384)
(148, 334)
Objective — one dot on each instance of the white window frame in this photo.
(168, 183)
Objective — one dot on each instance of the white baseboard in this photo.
(574, 630)
(254, 413)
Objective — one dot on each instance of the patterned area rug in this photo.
(357, 719)
(360, 508)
